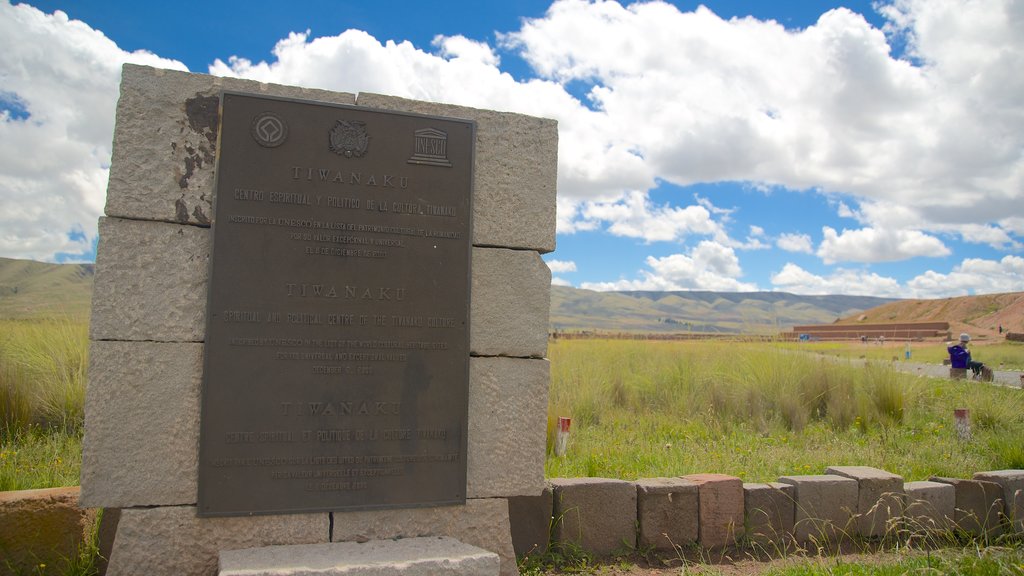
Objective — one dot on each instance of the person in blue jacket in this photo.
(960, 355)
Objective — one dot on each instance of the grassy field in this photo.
(760, 411)
(1000, 355)
(42, 395)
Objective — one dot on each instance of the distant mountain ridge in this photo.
(575, 309)
(30, 289)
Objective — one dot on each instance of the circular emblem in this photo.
(269, 130)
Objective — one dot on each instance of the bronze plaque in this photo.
(337, 343)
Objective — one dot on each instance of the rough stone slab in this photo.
(530, 517)
(598, 514)
(150, 282)
(879, 498)
(1011, 481)
(515, 172)
(979, 505)
(508, 402)
(510, 303)
(404, 557)
(40, 527)
(162, 166)
(482, 523)
(929, 506)
(173, 541)
(721, 508)
(825, 507)
(141, 424)
(667, 513)
(768, 511)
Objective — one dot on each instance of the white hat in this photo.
(965, 337)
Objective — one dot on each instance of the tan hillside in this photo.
(980, 316)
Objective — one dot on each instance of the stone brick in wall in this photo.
(481, 522)
(598, 514)
(979, 505)
(721, 508)
(514, 196)
(151, 280)
(408, 556)
(768, 511)
(825, 507)
(1011, 481)
(508, 400)
(530, 518)
(173, 541)
(162, 166)
(510, 305)
(879, 498)
(40, 527)
(929, 506)
(667, 513)
(141, 424)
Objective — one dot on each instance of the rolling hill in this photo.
(981, 316)
(31, 289)
(574, 309)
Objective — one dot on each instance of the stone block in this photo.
(173, 541)
(530, 518)
(515, 172)
(825, 507)
(768, 512)
(482, 523)
(40, 527)
(510, 303)
(879, 498)
(141, 424)
(405, 557)
(929, 506)
(150, 282)
(979, 505)
(165, 138)
(598, 514)
(1011, 481)
(508, 401)
(721, 508)
(667, 513)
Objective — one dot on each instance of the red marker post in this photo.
(562, 435)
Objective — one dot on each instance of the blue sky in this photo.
(811, 147)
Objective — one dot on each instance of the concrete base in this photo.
(720, 509)
(530, 518)
(825, 507)
(979, 505)
(879, 498)
(405, 557)
(930, 506)
(768, 511)
(597, 514)
(667, 513)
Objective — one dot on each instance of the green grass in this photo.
(758, 411)
(1001, 355)
(42, 395)
(994, 561)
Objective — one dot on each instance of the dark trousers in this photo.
(975, 367)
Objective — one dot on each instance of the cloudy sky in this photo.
(811, 147)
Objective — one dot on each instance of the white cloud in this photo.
(634, 216)
(708, 266)
(971, 276)
(559, 266)
(795, 243)
(875, 245)
(53, 164)
(556, 281)
(795, 279)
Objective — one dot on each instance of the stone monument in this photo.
(364, 359)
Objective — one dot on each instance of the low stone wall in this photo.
(1015, 336)
(603, 515)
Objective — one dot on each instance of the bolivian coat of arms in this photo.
(349, 138)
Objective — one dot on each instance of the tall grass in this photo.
(760, 411)
(42, 375)
(42, 395)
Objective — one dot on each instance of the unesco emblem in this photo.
(269, 130)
